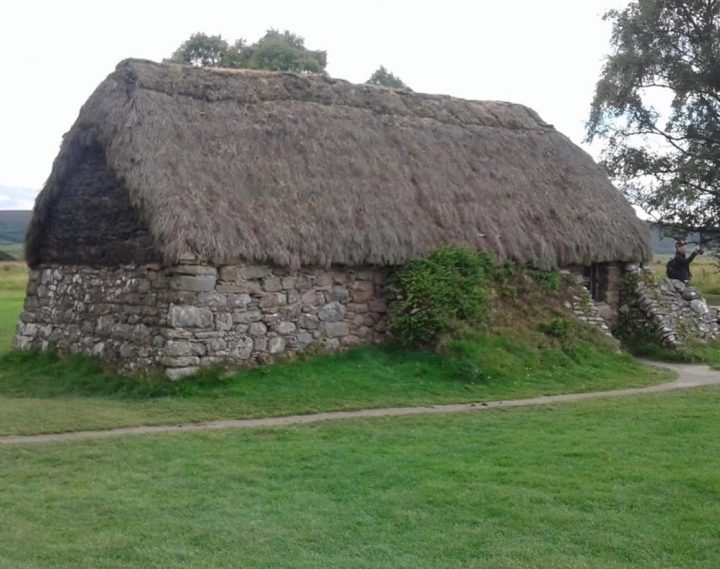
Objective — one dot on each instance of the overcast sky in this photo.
(546, 54)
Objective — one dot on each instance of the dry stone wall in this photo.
(136, 318)
(582, 305)
(669, 312)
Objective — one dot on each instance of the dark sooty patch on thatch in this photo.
(91, 221)
(307, 170)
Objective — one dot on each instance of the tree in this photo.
(283, 52)
(666, 159)
(275, 51)
(383, 77)
(202, 50)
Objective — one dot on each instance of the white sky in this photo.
(546, 54)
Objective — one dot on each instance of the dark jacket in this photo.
(680, 267)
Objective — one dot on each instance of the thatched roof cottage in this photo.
(198, 215)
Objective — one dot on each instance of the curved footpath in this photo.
(689, 376)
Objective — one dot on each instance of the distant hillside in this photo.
(13, 227)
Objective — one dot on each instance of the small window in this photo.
(591, 279)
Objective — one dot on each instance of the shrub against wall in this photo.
(448, 286)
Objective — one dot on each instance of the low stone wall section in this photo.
(582, 305)
(135, 318)
(669, 312)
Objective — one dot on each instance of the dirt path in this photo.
(689, 376)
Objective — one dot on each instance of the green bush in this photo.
(560, 328)
(548, 280)
(447, 287)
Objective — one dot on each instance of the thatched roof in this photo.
(308, 170)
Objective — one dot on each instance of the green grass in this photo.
(38, 393)
(10, 308)
(13, 280)
(616, 484)
(13, 277)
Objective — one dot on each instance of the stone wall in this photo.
(668, 312)
(135, 318)
(581, 302)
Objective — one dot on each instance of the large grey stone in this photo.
(195, 283)
(284, 327)
(216, 345)
(331, 312)
(335, 329)
(193, 270)
(303, 339)
(691, 293)
(175, 348)
(238, 300)
(276, 345)
(186, 316)
(212, 298)
(677, 285)
(312, 298)
(246, 317)
(309, 322)
(22, 342)
(254, 272)
(223, 321)
(257, 329)
(272, 284)
(339, 293)
(273, 300)
(229, 273)
(242, 348)
(605, 311)
(699, 306)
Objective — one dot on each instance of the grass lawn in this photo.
(615, 484)
(13, 280)
(11, 304)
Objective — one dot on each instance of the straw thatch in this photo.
(308, 170)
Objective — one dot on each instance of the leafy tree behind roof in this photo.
(383, 77)
(668, 163)
(275, 51)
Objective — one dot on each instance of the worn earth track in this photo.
(689, 376)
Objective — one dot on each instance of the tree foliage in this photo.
(202, 50)
(382, 76)
(283, 52)
(657, 106)
(275, 51)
